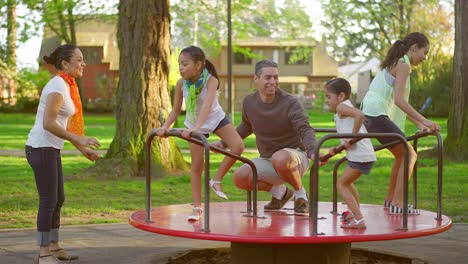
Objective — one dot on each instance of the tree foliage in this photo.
(250, 19)
(363, 28)
(61, 16)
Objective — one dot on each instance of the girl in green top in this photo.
(386, 107)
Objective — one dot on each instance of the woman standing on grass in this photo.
(59, 117)
(386, 106)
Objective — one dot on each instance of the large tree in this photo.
(11, 35)
(456, 143)
(142, 99)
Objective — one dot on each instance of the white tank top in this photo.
(361, 151)
(215, 115)
(379, 100)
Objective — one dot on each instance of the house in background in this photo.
(7, 84)
(303, 78)
(97, 41)
(360, 75)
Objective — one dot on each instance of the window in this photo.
(240, 58)
(92, 55)
(297, 56)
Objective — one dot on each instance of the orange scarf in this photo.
(76, 124)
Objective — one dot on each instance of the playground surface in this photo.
(122, 243)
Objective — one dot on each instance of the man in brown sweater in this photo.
(284, 137)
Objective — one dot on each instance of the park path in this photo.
(20, 152)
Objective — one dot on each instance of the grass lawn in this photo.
(94, 200)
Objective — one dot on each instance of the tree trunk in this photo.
(142, 99)
(455, 145)
(71, 22)
(11, 35)
(11, 49)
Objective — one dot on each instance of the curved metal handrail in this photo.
(313, 189)
(201, 140)
(414, 137)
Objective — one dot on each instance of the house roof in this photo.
(351, 69)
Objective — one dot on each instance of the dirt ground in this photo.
(223, 256)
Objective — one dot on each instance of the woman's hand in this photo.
(88, 142)
(89, 153)
(432, 126)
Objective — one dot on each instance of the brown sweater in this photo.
(277, 125)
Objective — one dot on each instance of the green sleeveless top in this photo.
(379, 100)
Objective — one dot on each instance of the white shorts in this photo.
(266, 172)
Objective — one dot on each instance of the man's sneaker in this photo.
(276, 204)
(301, 206)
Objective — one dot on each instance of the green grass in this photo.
(92, 200)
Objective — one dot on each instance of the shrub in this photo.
(432, 78)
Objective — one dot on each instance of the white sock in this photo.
(278, 191)
(301, 193)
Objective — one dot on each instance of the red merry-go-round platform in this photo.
(271, 235)
(281, 237)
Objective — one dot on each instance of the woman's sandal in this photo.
(219, 193)
(36, 259)
(61, 254)
(196, 214)
(355, 224)
(387, 204)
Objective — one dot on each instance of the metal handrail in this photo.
(414, 137)
(313, 189)
(202, 141)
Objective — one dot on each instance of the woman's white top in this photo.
(39, 137)
(215, 115)
(361, 151)
(379, 100)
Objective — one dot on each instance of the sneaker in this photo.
(276, 204)
(395, 210)
(346, 217)
(301, 206)
(196, 214)
(355, 224)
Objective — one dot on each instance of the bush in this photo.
(99, 106)
(432, 78)
(28, 89)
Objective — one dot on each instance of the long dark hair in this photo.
(339, 85)
(401, 47)
(62, 53)
(197, 54)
